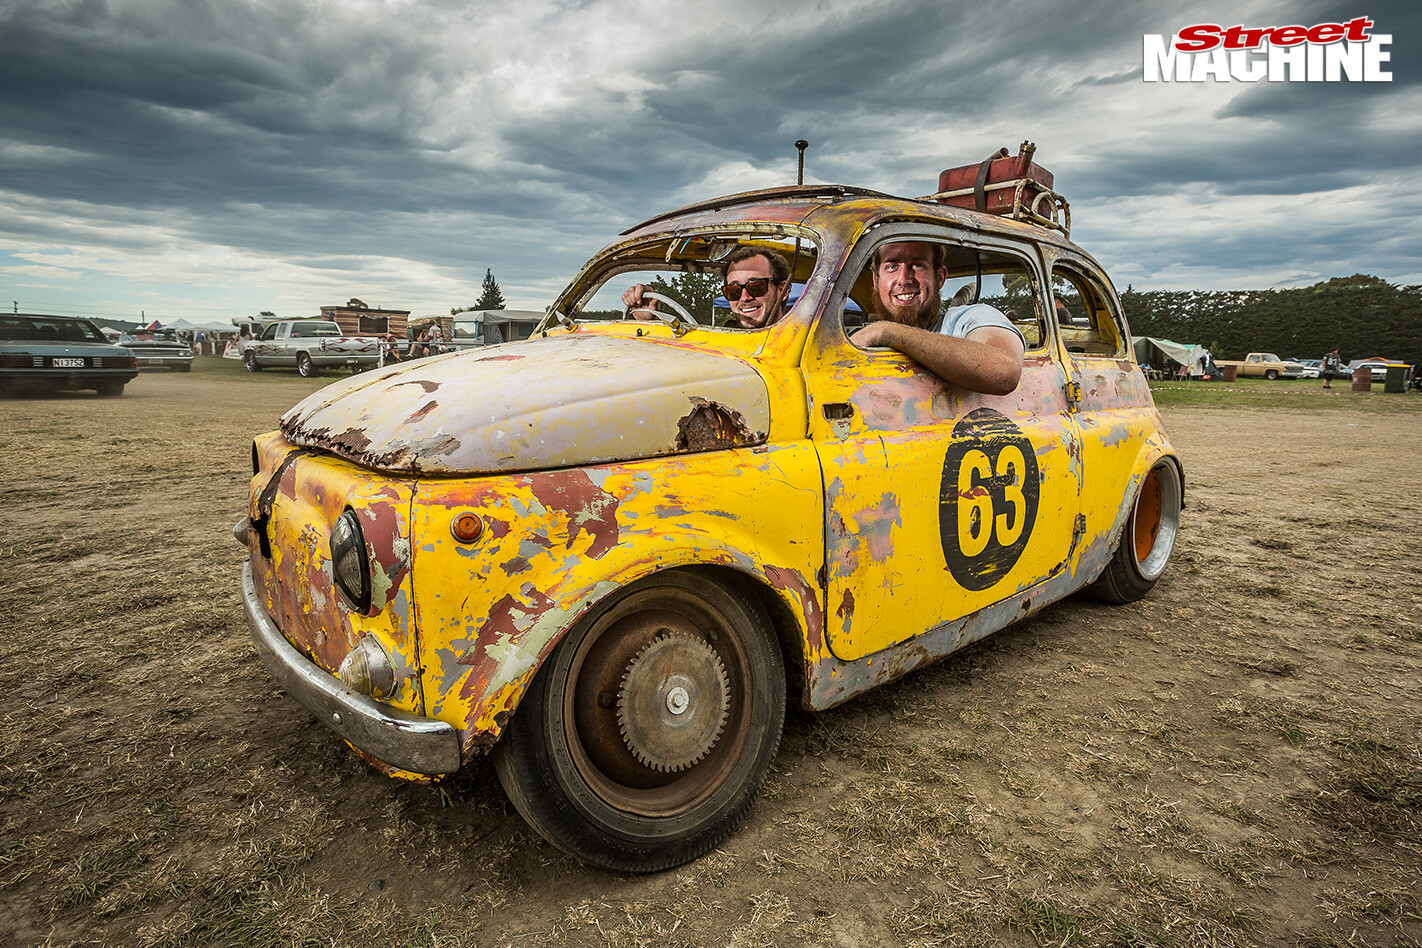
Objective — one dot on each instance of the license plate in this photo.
(67, 363)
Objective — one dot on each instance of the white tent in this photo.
(212, 326)
(1168, 355)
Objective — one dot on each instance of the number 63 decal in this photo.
(988, 498)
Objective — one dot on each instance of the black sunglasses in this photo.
(756, 288)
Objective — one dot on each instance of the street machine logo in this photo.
(1324, 52)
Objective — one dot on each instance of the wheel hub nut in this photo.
(677, 700)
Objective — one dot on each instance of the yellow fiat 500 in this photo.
(611, 554)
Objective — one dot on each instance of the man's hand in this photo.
(634, 299)
(875, 334)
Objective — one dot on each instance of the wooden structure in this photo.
(361, 321)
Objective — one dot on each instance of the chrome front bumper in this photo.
(407, 741)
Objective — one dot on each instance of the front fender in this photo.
(555, 544)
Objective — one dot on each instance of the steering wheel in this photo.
(664, 317)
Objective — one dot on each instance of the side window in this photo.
(1006, 282)
(271, 331)
(1085, 315)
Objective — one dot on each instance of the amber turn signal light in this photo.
(467, 527)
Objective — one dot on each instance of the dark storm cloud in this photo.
(457, 136)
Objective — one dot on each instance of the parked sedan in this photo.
(48, 353)
(159, 349)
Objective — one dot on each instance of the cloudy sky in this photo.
(215, 158)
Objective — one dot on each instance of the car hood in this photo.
(563, 401)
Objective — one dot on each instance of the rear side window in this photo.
(1086, 314)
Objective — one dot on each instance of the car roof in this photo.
(839, 207)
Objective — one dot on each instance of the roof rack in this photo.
(985, 187)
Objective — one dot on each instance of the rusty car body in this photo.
(612, 553)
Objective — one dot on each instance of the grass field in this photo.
(1232, 761)
(1302, 394)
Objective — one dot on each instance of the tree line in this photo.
(1362, 316)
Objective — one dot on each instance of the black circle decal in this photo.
(988, 499)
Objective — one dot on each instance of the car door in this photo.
(1115, 410)
(938, 501)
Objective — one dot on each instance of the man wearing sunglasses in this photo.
(756, 284)
(974, 347)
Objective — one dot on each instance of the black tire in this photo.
(304, 366)
(607, 770)
(1271, 374)
(249, 359)
(185, 367)
(1147, 539)
(110, 389)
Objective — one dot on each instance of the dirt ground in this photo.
(1233, 761)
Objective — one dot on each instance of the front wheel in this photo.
(1271, 374)
(304, 366)
(249, 359)
(649, 731)
(1147, 540)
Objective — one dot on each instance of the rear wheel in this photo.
(649, 731)
(110, 389)
(1148, 539)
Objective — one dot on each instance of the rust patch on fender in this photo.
(589, 508)
(710, 427)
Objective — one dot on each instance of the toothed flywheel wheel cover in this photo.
(672, 703)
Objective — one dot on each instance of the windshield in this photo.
(740, 282)
(48, 329)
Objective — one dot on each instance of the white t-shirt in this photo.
(961, 320)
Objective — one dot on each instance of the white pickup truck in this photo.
(309, 345)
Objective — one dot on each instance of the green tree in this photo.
(491, 298)
(695, 291)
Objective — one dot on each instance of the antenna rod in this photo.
(800, 146)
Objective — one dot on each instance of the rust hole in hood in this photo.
(709, 426)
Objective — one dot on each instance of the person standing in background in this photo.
(1331, 364)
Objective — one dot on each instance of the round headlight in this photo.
(349, 561)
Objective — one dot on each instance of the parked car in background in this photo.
(1311, 367)
(1379, 369)
(613, 553)
(1265, 365)
(159, 349)
(46, 354)
(309, 345)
